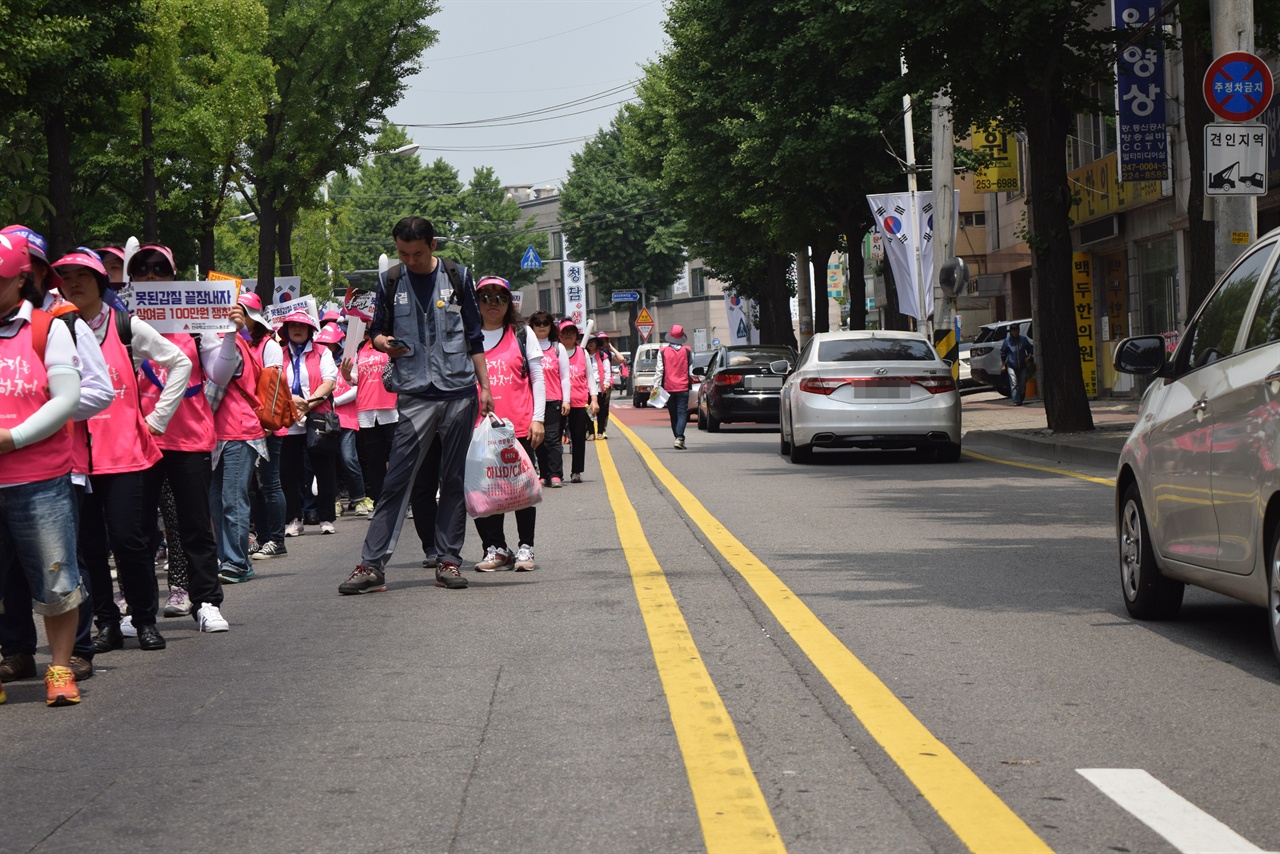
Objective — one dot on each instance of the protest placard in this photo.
(185, 306)
(355, 334)
(306, 303)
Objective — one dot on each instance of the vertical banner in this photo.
(1141, 138)
(1082, 290)
(681, 286)
(575, 293)
(738, 317)
(1002, 175)
(906, 223)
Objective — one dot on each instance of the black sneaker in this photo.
(270, 550)
(448, 575)
(363, 579)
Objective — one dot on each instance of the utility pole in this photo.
(944, 203)
(804, 295)
(923, 321)
(1235, 217)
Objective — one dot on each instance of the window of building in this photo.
(697, 282)
(545, 302)
(973, 219)
(557, 245)
(1158, 286)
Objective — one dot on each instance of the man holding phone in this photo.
(425, 318)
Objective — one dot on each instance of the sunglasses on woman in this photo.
(539, 322)
(157, 268)
(491, 299)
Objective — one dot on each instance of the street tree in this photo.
(615, 220)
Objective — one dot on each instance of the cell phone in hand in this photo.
(398, 343)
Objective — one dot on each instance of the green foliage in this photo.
(615, 221)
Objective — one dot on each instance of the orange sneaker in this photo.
(60, 685)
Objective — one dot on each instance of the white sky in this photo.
(499, 58)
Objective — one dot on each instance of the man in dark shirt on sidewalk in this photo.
(426, 319)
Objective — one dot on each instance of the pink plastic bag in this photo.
(499, 477)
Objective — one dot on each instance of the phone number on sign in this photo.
(999, 184)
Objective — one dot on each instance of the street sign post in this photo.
(644, 324)
(626, 296)
(531, 260)
(1238, 86)
(1235, 160)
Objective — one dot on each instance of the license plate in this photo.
(882, 391)
(762, 383)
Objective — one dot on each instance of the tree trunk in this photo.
(284, 238)
(150, 188)
(1196, 57)
(266, 198)
(775, 301)
(62, 222)
(893, 316)
(855, 287)
(1066, 405)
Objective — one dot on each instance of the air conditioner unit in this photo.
(1099, 230)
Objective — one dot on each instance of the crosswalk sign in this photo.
(530, 261)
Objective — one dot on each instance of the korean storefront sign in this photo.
(1098, 193)
(1141, 139)
(1082, 290)
(1002, 175)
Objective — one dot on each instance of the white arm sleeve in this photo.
(535, 374)
(96, 393)
(563, 358)
(657, 374)
(346, 397)
(220, 359)
(60, 356)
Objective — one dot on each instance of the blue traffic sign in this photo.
(531, 260)
(626, 296)
(1238, 86)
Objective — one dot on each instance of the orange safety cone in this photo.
(1031, 387)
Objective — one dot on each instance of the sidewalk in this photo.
(992, 421)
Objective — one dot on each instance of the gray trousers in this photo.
(420, 422)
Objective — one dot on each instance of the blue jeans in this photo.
(269, 514)
(1017, 384)
(229, 505)
(38, 530)
(678, 406)
(349, 464)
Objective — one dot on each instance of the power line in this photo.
(567, 104)
(524, 147)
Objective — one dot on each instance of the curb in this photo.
(1047, 448)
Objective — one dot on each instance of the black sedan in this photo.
(738, 385)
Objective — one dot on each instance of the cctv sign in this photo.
(1235, 160)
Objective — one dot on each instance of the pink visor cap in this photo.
(155, 247)
(14, 258)
(493, 280)
(331, 334)
(567, 324)
(300, 317)
(253, 307)
(82, 259)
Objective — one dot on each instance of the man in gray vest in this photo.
(426, 319)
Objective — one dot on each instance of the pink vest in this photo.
(551, 372)
(235, 420)
(312, 360)
(191, 428)
(602, 370)
(25, 388)
(675, 368)
(508, 383)
(348, 413)
(370, 392)
(579, 391)
(121, 441)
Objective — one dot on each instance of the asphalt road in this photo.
(720, 651)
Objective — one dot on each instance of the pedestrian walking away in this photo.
(426, 319)
(514, 361)
(674, 374)
(584, 389)
(555, 375)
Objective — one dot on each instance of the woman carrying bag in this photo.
(311, 373)
(519, 396)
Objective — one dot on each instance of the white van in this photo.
(643, 369)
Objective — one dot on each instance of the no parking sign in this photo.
(1238, 86)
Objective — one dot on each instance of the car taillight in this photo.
(980, 351)
(728, 379)
(823, 385)
(935, 385)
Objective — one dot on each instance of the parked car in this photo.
(984, 355)
(870, 389)
(621, 378)
(740, 385)
(699, 361)
(642, 372)
(1198, 483)
(965, 378)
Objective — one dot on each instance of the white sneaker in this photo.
(179, 603)
(126, 626)
(294, 529)
(210, 619)
(494, 559)
(524, 559)
(327, 528)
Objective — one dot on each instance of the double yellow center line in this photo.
(731, 808)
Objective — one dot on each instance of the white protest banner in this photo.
(575, 293)
(355, 334)
(738, 316)
(185, 306)
(307, 304)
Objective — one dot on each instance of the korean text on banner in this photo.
(307, 304)
(1002, 175)
(1082, 289)
(175, 307)
(1141, 139)
(575, 293)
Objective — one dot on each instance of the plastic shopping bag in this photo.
(499, 477)
(658, 397)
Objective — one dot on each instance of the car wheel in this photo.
(949, 453)
(1273, 594)
(801, 453)
(784, 447)
(702, 420)
(1148, 595)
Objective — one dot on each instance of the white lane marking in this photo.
(1187, 827)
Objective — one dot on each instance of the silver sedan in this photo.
(870, 389)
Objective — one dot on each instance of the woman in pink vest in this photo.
(519, 395)
(376, 415)
(266, 495)
(241, 443)
(584, 387)
(39, 392)
(345, 402)
(311, 373)
(119, 510)
(675, 363)
(187, 447)
(555, 375)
